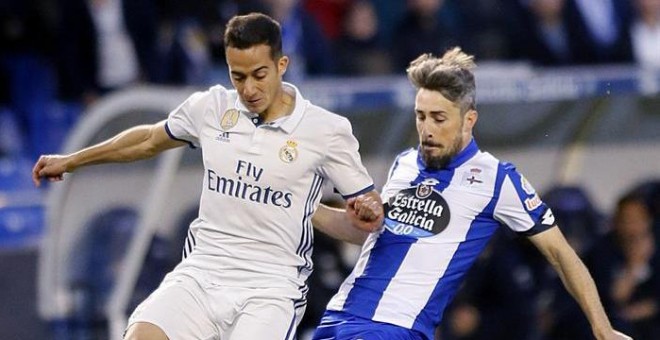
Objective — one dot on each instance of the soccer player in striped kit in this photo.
(443, 202)
(266, 151)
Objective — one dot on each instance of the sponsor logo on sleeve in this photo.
(548, 218)
(533, 202)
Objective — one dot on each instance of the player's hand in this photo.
(49, 167)
(366, 211)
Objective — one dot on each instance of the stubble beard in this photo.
(441, 161)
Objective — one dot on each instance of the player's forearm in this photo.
(129, 145)
(334, 223)
(581, 286)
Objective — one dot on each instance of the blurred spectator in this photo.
(625, 266)
(329, 14)
(421, 31)
(651, 191)
(358, 50)
(302, 40)
(542, 35)
(191, 35)
(106, 45)
(483, 25)
(645, 33)
(601, 30)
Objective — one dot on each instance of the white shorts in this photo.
(185, 309)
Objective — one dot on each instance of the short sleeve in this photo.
(342, 165)
(519, 206)
(184, 122)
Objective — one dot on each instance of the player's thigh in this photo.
(177, 308)
(267, 318)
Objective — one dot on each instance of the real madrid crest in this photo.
(229, 119)
(289, 153)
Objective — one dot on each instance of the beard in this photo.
(437, 162)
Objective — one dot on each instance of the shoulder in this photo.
(326, 120)
(215, 98)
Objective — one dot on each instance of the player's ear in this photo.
(282, 64)
(470, 119)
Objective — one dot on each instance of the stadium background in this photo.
(583, 127)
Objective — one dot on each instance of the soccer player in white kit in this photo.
(267, 152)
(443, 202)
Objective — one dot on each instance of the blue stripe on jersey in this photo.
(306, 244)
(480, 232)
(396, 162)
(368, 289)
(169, 133)
(535, 215)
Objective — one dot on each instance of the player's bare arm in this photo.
(139, 142)
(577, 280)
(363, 215)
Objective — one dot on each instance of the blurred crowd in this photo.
(74, 51)
(99, 45)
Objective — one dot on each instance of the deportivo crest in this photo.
(424, 191)
(289, 153)
(411, 214)
(229, 119)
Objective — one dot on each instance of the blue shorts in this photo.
(343, 326)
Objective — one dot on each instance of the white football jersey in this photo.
(261, 186)
(437, 222)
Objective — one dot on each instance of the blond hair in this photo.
(451, 75)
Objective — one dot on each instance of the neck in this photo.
(282, 105)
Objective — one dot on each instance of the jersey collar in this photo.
(287, 123)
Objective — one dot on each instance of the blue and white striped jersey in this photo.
(437, 222)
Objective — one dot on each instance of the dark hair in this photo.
(450, 75)
(245, 31)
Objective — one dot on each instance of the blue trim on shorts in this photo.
(336, 325)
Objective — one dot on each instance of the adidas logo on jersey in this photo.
(223, 137)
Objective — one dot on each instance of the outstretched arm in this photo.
(577, 280)
(139, 142)
(363, 215)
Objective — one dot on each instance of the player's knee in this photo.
(145, 331)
